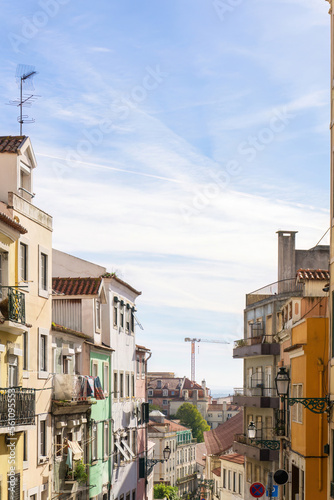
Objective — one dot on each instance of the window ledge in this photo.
(42, 374)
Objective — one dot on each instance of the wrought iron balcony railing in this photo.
(12, 304)
(264, 439)
(259, 339)
(17, 406)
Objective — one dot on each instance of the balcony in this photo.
(257, 396)
(261, 345)
(278, 289)
(12, 310)
(17, 406)
(186, 479)
(258, 451)
(69, 395)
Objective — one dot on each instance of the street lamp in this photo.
(316, 405)
(282, 382)
(151, 462)
(251, 430)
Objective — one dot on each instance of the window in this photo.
(235, 482)
(95, 368)
(115, 390)
(224, 478)
(97, 315)
(134, 495)
(297, 408)
(58, 445)
(25, 450)
(133, 385)
(229, 480)
(43, 289)
(106, 379)
(43, 353)
(143, 366)
(132, 320)
(121, 385)
(165, 392)
(240, 484)
(159, 384)
(122, 316)
(25, 350)
(150, 392)
(44, 271)
(164, 402)
(42, 438)
(150, 401)
(94, 442)
(127, 385)
(106, 440)
(115, 315)
(23, 262)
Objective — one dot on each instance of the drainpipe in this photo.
(146, 424)
(321, 417)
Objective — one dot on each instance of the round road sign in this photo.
(257, 490)
(281, 476)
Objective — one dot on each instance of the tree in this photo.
(163, 491)
(189, 416)
(155, 407)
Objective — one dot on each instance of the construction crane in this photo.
(193, 341)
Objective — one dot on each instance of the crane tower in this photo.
(193, 342)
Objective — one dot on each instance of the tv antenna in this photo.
(24, 78)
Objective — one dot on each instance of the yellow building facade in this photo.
(13, 417)
(309, 431)
(25, 361)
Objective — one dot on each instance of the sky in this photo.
(173, 139)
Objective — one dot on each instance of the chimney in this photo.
(286, 260)
(204, 386)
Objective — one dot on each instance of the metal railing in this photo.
(17, 406)
(260, 339)
(265, 439)
(258, 389)
(12, 304)
(277, 287)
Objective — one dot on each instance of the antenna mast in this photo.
(24, 78)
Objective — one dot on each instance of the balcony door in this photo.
(12, 371)
(267, 381)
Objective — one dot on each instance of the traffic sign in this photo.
(257, 490)
(274, 492)
(281, 476)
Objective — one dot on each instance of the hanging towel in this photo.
(76, 449)
(69, 456)
(90, 386)
(98, 389)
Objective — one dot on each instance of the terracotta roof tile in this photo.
(12, 223)
(142, 347)
(219, 440)
(234, 457)
(313, 274)
(10, 144)
(76, 286)
(217, 471)
(200, 452)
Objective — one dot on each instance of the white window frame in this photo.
(95, 363)
(26, 370)
(43, 332)
(24, 241)
(150, 392)
(106, 378)
(97, 313)
(43, 292)
(42, 458)
(26, 462)
(94, 448)
(106, 441)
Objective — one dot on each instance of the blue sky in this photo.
(173, 139)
